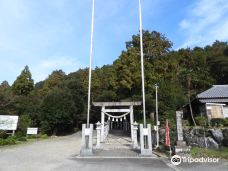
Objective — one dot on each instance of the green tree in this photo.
(59, 112)
(155, 44)
(218, 61)
(24, 83)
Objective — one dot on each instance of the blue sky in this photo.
(55, 34)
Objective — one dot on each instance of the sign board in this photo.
(145, 131)
(32, 131)
(87, 131)
(8, 122)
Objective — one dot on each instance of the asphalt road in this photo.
(60, 154)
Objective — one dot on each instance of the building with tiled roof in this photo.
(212, 103)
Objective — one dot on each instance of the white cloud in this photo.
(44, 67)
(206, 22)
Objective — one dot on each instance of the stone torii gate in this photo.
(122, 107)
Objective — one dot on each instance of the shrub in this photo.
(217, 122)
(22, 139)
(3, 134)
(201, 120)
(19, 134)
(24, 122)
(185, 123)
(8, 141)
(226, 122)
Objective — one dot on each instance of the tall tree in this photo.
(24, 83)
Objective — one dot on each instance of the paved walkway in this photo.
(117, 140)
(117, 144)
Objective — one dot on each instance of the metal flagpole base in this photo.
(87, 140)
(145, 140)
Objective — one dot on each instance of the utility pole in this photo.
(157, 122)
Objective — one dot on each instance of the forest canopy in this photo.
(58, 104)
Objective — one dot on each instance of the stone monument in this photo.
(181, 147)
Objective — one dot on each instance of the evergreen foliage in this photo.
(57, 104)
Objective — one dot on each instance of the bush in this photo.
(8, 141)
(24, 122)
(217, 122)
(201, 120)
(19, 134)
(21, 139)
(185, 123)
(3, 134)
(226, 122)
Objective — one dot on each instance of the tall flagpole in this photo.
(90, 64)
(157, 124)
(142, 63)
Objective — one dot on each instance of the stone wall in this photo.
(214, 138)
(211, 138)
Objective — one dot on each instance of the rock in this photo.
(198, 132)
(217, 135)
(201, 142)
(211, 143)
(225, 135)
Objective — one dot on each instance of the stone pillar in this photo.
(181, 148)
(131, 121)
(105, 131)
(135, 140)
(179, 125)
(98, 145)
(87, 140)
(111, 125)
(145, 140)
(102, 123)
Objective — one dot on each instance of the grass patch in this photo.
(204, 152)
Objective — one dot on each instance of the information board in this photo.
(32, 131)
(8, 122)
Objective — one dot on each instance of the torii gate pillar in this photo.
(102, 122)
(131, 121)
